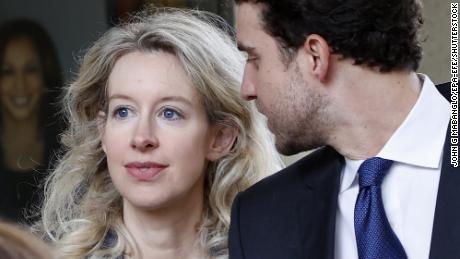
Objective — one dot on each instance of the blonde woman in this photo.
(159, 143)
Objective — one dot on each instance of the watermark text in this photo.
(454, 84)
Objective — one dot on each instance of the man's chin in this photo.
(291, 148)
(286, 149)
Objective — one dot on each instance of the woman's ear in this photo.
(100, 120)
(222, 142)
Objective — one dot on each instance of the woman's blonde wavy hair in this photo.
(82, 205)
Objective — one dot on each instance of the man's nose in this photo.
(248, 91)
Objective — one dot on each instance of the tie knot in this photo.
(372, 171)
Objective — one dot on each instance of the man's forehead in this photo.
(248, 25)
(248, 16)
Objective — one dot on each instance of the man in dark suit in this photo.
(339, 76)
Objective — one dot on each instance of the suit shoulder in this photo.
(294, 176)
(445, 89)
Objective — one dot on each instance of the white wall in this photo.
(436, 48)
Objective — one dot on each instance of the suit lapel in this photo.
(320, 206)
(446, 227)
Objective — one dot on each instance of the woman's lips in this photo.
(144, 171)
(20, 100)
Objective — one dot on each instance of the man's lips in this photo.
(144, 171)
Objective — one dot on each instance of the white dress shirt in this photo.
(409, 189)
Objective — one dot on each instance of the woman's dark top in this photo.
(21, 193)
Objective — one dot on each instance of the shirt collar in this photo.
(426, 123)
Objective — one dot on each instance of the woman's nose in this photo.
(20, 81)
(144, 138)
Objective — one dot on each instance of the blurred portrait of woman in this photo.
(30, 79)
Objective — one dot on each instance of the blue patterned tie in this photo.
(374, 236)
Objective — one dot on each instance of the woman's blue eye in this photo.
(122, 112)
(6, 72)
(170, 114)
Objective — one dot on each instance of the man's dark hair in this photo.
(376, 33)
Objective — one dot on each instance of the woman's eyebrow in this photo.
(174, 98)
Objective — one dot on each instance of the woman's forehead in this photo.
(154, 74)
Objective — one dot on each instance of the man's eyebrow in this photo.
(243, 47)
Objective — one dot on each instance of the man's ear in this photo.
(222, 142)
(316, 55)
(101, 118)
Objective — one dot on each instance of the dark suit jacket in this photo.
(291, 214)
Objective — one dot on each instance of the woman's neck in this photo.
(22, 143)
(170, 232)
